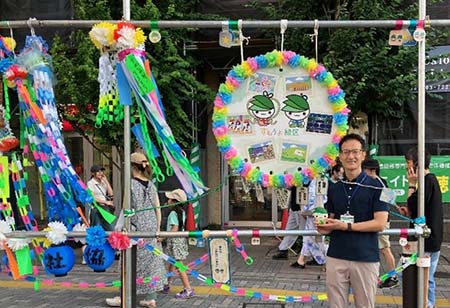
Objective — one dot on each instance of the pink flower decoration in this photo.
(246, 169)
(218, 102)
(265, 180)
(288, 179)
(66, 284)
(140, 280)
(287, 55)
(334, 91)
(220, 131)
(47, 282)
(100, 284)
(308, 173)
(119, 240)
(233, 81)
(232, 152)
(217, 285)
(253, 64)
(141, 243)
(346, 111)
(83, 285)
(336, 138)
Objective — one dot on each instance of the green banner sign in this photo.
(393, 170)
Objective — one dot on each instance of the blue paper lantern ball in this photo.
(59, 260)
(99, 257)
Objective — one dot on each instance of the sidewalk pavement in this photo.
(264, 275)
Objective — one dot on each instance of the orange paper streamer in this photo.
(80, 211)
(13, 267)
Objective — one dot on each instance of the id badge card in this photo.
(388, 195)
(347, 217)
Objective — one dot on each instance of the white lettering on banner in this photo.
(398, 181)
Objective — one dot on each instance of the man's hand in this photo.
(404, 211)
(330, 225)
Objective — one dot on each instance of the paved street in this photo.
(265, 275)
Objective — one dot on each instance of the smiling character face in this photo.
(299, 115)
(263, 114)
(261, 107)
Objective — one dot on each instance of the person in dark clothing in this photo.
(356, 215)
(433, 213)
(372, 168)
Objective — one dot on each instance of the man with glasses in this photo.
(356, 215)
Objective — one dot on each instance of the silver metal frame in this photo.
(167, 24)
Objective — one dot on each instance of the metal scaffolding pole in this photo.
(421, 154)
(129, 256)
(209, 24)
(211, 233)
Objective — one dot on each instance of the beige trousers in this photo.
(360, 276)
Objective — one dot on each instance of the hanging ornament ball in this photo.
(419, 34)
(99, 257)
(154, 36)
(59, 259)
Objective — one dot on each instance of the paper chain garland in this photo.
(234, 80)
(208, 281)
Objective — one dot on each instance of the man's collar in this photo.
(359, 178)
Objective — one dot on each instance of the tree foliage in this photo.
(76, 67)
(376, 77)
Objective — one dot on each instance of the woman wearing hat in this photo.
(144, 195)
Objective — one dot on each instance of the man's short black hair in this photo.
(352, 137)
(413, 154)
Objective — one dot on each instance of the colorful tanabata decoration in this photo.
(136, 83)
(59, 259)
(7, 140)
(32, 77)
(98, 254)
(278, 119)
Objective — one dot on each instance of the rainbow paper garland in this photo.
(234, 80)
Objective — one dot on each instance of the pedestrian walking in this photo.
(177, 247)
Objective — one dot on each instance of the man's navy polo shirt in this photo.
(364, 201)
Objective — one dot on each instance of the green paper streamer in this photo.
(37, 285)
(144, 83)
(24, 261)
(105, 214)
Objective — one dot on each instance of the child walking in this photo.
(177, 247)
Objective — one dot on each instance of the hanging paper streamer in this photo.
(5, 206)
(133, 72)
(33, 80)
(7, 140)
(109, 109)
(278, 112)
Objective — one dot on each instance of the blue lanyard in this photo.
(349, 197)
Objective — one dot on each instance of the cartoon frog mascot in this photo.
(296, 110)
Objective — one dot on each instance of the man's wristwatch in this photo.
(349, 226)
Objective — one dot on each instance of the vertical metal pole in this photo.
(128, 296)
(421, 154)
